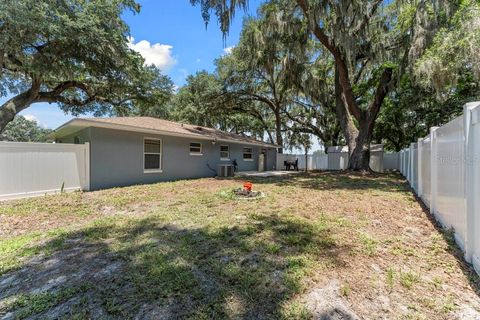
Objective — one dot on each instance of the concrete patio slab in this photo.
(265, 174)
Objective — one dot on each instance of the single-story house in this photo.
(136, 150)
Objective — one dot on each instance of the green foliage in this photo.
(454, 47)
(369, 38)
(74, 53)
(155, 92)
(197, 101)
(203, 101)
(223, 10)
(258, 74)
(23, 130)
(412, 109)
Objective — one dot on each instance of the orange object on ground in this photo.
(247, 186)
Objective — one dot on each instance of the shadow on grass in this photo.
(144, 269)
(332, 180)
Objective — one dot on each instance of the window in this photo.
(224, 153)
(152, 155)
(195, 148)
(248, 154)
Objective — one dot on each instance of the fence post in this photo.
(400, 166)
(419, 168)
(400, 161)
(407, 164)
(433, 169)
(87, 166)
(412, 167)
(470, 175)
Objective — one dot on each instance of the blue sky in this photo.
(170, 34)
(180, 25)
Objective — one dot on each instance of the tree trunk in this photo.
(358, 140)
(359, 159)
(346, 122)
(12, 107)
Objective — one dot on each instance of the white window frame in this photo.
(160, 154)
(200, 153)
(251, 153)
(228, 151)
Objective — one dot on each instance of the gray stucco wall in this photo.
(83, 136)
(116, 158)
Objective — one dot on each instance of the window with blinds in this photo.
(224, 153)
(152, 155)
(196, 148)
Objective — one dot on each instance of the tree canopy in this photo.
(24, 130)
(346, 72)
(75, 54)
(372, 47)
(453, 52)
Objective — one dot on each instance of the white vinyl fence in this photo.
(337, 160)
(31, 169)
(444, 170)
(391, 161)
(315, 161)
(330, 161)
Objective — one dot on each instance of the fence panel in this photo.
(448, 177)
(320, 161)
(315, 161)
(337, 161)
(450, 166)
(30, 169)
(472, 184)
(331, 161)
(391, 161)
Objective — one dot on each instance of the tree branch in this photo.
(380, 94)
(367, 17)
(319, 32)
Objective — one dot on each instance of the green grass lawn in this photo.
(189, 249)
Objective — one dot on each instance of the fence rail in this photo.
(444, 170)
(32, 169)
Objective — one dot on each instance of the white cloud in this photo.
(157, 54)
(31, 117)
(228, 50)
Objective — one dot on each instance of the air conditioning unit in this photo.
(225, 170)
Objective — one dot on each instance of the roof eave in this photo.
(84, 123)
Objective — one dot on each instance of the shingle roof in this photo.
(166, 126)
